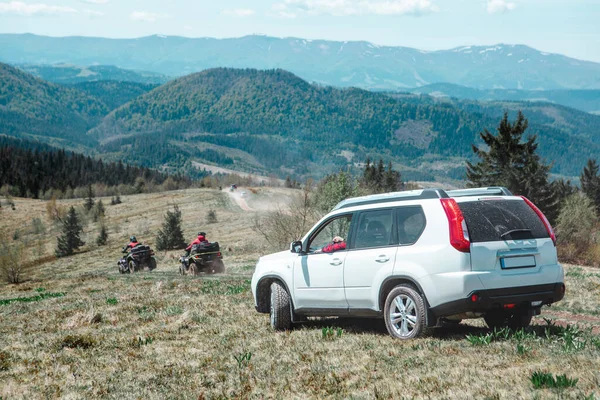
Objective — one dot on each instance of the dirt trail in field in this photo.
(240, 201)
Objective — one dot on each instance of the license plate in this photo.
(517, 262)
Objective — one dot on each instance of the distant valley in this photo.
(273, 122)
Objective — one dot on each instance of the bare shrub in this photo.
(576, 229)
(55, 211)
(211, 217)
(288, 223)
(12, 261)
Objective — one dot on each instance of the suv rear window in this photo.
(498, 220)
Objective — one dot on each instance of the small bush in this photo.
(78, 342)
(13, 265)
(102, 236)
(112, 301)
(37, 226)
(211, 217)
(55, 212)
(16, 235)
(575, 228)
(139, 341)
(545, 380)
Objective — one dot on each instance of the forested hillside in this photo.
(114, 93)
(71, 74)
(31, 106)
(31, 169)
(294, 119)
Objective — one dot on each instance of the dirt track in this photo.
(240, 201)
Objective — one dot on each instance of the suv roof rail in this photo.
(483, 191)
(393, 196)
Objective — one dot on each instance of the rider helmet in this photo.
(132, 238)
(201, 234)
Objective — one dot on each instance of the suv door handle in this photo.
(382, 258)
(336, 261)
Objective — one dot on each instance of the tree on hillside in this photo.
(70, 239)
(334, 188)
(170, 237)
(102, 236)
(514, 163)
(377, 179)
(89, 201)
(590, 182)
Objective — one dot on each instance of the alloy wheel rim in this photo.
(403, 315)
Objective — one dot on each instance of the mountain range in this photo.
(275, 122)
(342, 64)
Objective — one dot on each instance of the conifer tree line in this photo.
(30, 171)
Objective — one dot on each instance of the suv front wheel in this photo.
(281, 311)
(404, 312)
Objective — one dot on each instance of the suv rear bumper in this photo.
(492, 299)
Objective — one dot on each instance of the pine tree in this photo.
(99, 211)
(590, 182)
(102, 237)
(391, 180)
(89, 201)
(70, 239)
(171, 236)
(514, 163)
(288, 182)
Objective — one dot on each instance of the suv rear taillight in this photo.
(542, 217)
(459, 235)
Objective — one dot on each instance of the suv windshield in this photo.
(498, 220)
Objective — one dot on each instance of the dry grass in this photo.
(156, 335)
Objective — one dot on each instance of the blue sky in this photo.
(568, 27)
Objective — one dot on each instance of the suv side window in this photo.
(339, 226)
(374, 229)
(411, 223)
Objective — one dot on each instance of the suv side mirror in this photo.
(296, 246)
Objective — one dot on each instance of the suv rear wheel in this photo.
(516, 320)
(404, 312)
(281, 311)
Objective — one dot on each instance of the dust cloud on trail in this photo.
(240, 201)
(263, 199)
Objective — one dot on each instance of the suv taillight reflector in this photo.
(542, 217)
(459, 236)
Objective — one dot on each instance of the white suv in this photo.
(417, 258)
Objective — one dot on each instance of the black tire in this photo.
(410, 321)
(132, 266)
(516, 320)
(181, 269)
(281, 310)
(152, 264)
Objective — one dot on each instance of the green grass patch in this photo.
(222, 288)
(542, 380)
(112, 301)
(31, 299)
(329, 333)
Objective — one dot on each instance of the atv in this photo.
(204, 257)
(138, 257)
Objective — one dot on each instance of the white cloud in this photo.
(500, 6)
(20, 8)
(93, 13)
(292, 8)
(96, 1)
(145, 16)
(238, 12)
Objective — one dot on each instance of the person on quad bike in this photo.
(132, 243)
(201, 238)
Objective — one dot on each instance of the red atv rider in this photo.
(201, 238)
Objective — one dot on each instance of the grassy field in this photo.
(79, 329)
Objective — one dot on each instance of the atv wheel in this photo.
(193, 269)
(152, 264)
(281, 310)
(132, 267)
(218, 267)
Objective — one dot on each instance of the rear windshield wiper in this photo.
(507, 233)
